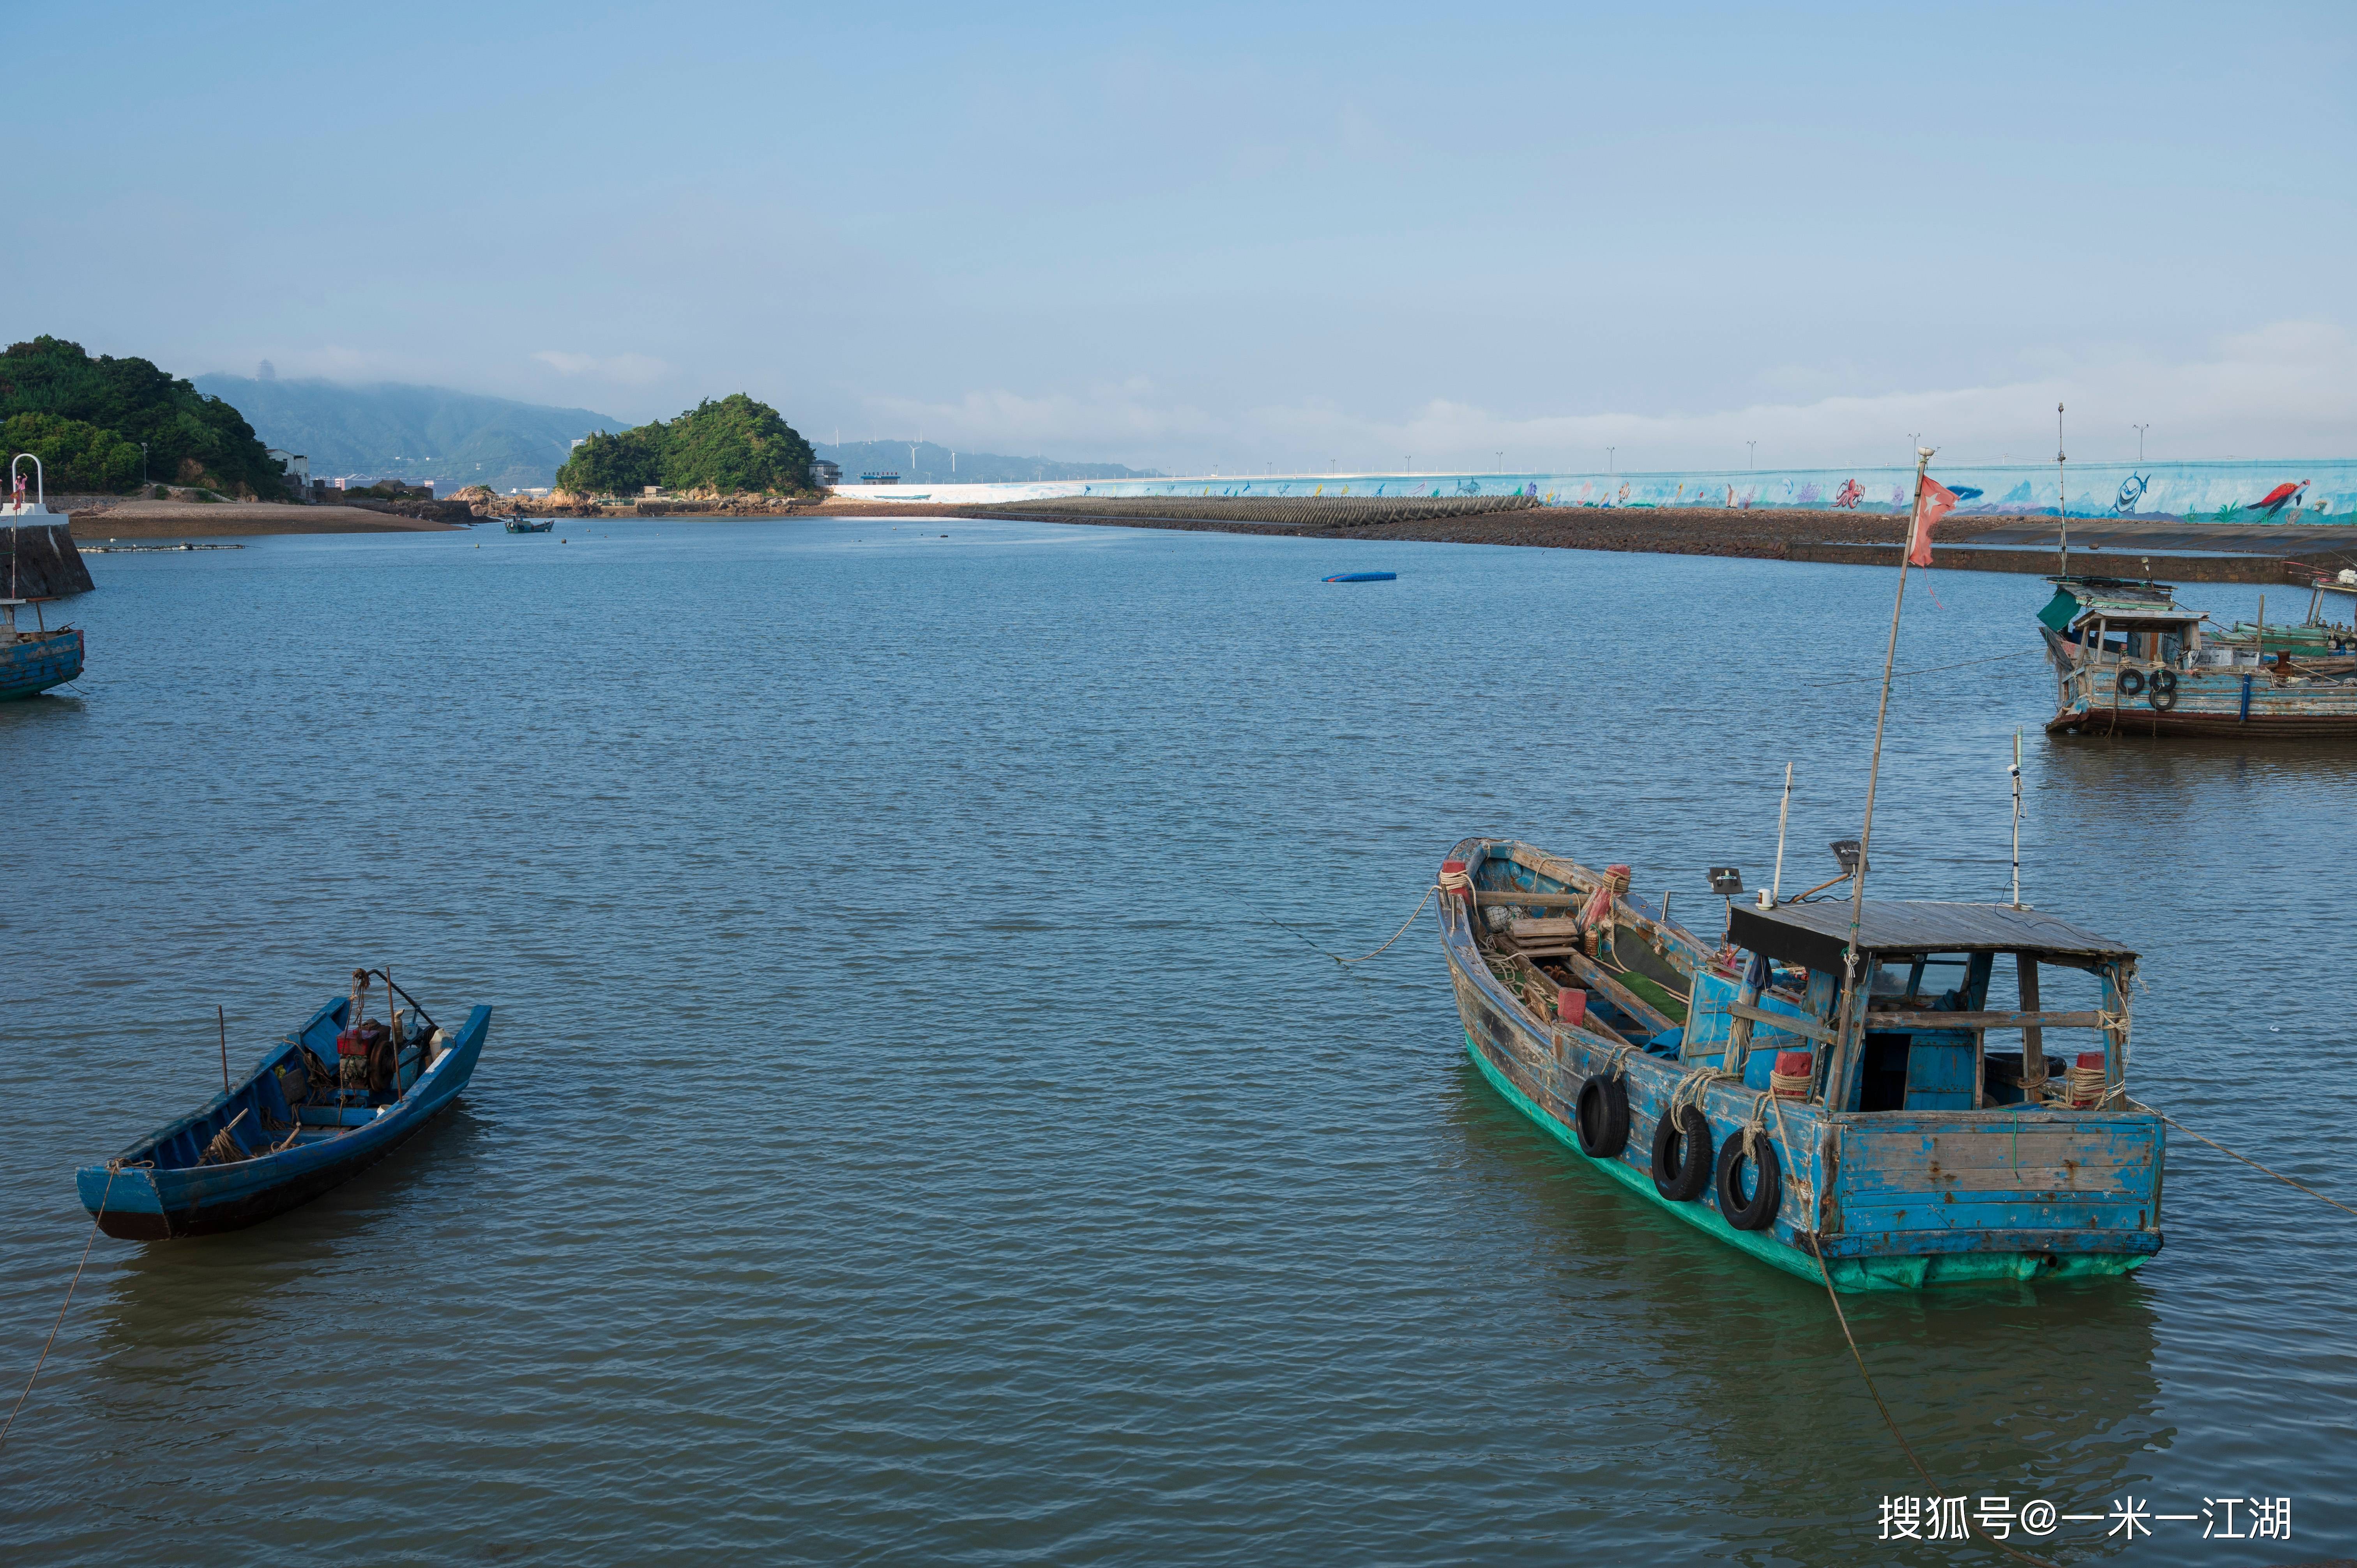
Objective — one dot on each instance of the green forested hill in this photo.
(413, 433)
(732, 445)
(86, 419)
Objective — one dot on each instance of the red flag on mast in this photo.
(1935, 502)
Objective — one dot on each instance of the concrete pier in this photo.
(37, 561)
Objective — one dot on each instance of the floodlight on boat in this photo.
(1725, 881)
(1845, 852)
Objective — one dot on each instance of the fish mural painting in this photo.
(2132, 490)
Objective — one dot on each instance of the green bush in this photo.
(74, 455)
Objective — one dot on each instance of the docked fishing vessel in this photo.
(2129, 660)
(328, 1101)
(1815, 1115)
(35, 660)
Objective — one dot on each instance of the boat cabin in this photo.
(1916, 1032)
(2110, 620)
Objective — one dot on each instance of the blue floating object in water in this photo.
(1362, 577)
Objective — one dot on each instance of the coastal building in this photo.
(298, 471)
(824, 474)
(886, 477)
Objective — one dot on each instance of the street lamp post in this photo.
(1501, 462)
(1753, 460)
(1610, 458)
(2141, 429)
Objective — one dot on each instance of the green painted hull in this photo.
(1847, 1274)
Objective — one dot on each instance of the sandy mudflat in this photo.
(203, 520)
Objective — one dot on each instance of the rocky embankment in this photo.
(483, 503)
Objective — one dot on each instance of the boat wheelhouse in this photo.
(1814, 1114)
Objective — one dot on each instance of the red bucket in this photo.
(1571, 1007)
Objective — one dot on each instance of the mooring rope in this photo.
(1929, 669)
(1783, 1136)
(1364, 957)
(2244, 1158)
(52, 1339)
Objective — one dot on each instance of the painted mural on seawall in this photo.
(2243, 491)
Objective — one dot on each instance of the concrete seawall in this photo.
(42, 562)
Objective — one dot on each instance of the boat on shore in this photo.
(2129, 660)
(525, 525)
(1865, 1133)
(328, 1101)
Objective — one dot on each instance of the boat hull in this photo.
(2237, 701)
(39, 660)
(141, 1202)
(1888, 1200)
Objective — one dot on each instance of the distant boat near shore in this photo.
(525, 525)
(31, 662)
(2129, 660)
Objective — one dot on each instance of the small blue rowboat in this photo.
(300, 1123)
(33, 661)
(1362, 577)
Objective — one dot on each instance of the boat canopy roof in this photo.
(1817, 934)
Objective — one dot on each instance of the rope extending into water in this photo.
(1364, 957)
(1857, 1355)
(2244, 1158)
(62, 1305)
(1931, 669)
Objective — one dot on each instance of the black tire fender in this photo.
(1682, 1155)
(1600, 1118)
(1768, 1185)
(2130, 682)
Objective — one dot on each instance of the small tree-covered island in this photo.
(730, 447)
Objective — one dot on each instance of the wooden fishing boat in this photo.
(525, 525)
(1752, 1091)
(322, 1105)
(2129, 660)
(33, 661)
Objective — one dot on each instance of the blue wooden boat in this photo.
(525, 525)
(1884, 1137)
(33, 661)
(1362, 577)
(299, 1124)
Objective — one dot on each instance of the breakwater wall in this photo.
(2303, 491)
(40, 561)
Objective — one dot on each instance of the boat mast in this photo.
(2061, 494)
(1783, 814)
(1853, 1013)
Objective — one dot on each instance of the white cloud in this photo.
(621, 369)
(2288, 389)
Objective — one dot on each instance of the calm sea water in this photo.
(905, 1135)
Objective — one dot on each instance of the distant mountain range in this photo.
(398, 432)
(392, 431)
(922, 463)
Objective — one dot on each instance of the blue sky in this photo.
(1241, 236)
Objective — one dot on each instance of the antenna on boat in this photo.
(2016, 819)
(1783, 814)
(221, 1020)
